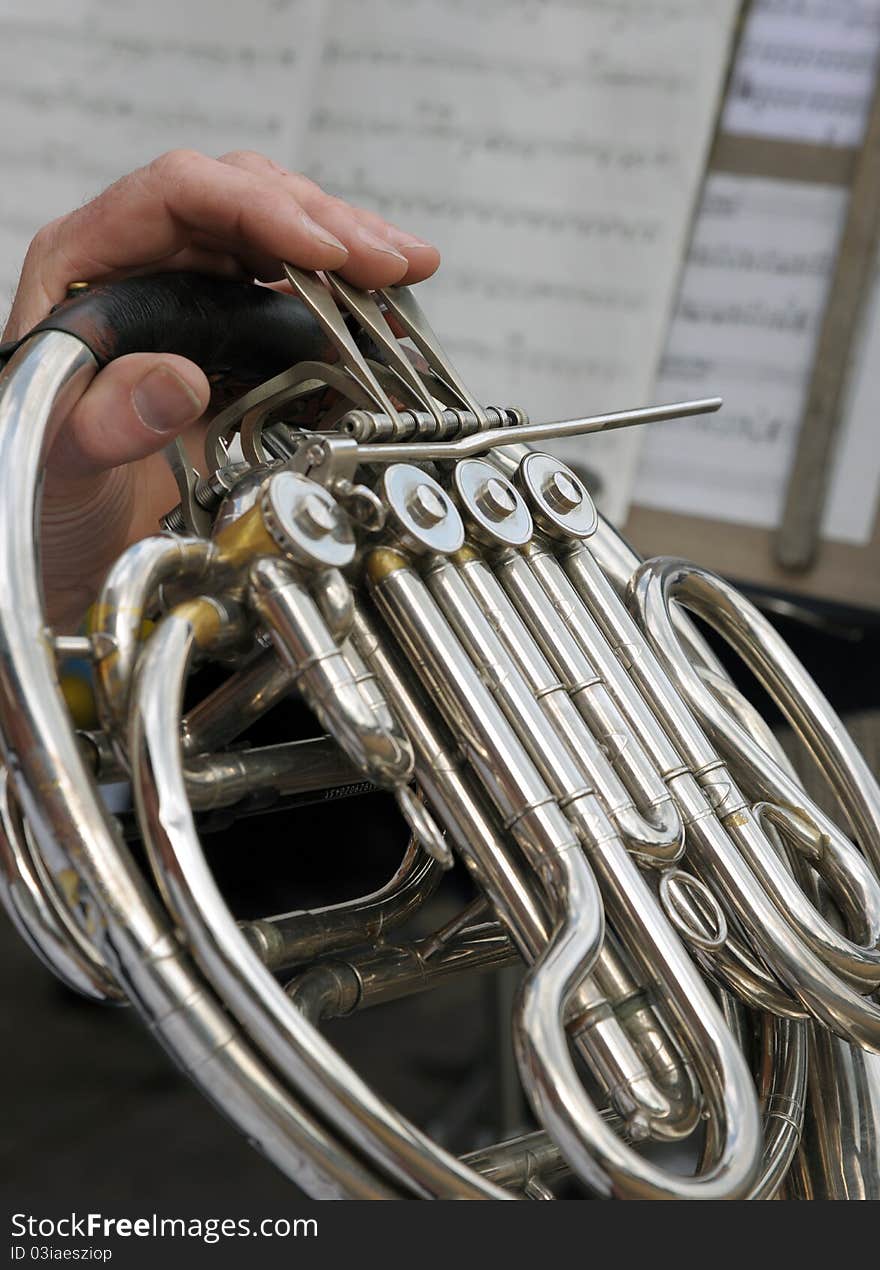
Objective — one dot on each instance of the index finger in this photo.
(154, 213)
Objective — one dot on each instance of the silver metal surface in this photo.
(402, 304)
(115, 907)
(226, 958)
(421, 511)
(320, 303)
(531, 433)
(368, 313)
(306, 521)
(545, 714)
(493, 508)
(535, 818)
(559, 501)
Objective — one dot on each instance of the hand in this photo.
(241, 215)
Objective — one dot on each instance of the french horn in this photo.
(699, 942)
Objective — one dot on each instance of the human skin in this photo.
(241, 215)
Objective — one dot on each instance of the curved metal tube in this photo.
(605, 1163)
(841, 1146)
(72, 829)
(291, 1043)
(659, 820)
(519, 683)
(735, 963)
(716, 847)
(557, 1095)
(597, 1033)
(119, 612)
(40, 917)
(619, 562)
(374, 741)
(654, 587)
(522, 724)
(839, 1122)
(651, 1039)
(597, 683)
(658, 834)
(784, 1042)
(783, 1097)
(342, 693)
(290, 939)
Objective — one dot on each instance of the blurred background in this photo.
(635, 200)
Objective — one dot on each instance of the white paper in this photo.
(89, 89)
(553, 152)
(745, 327)
(552, 148)
(805, 71)
(756, 282)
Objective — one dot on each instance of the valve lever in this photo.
(362, 305)
(320, 303)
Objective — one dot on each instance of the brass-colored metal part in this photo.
(383, 561)
(246, 539)
(206, 617)
(467, 553)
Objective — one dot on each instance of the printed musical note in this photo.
(89, 89)
(745, 327)
(756, 281)
(805, 70)
(552, 148)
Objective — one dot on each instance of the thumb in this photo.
(133, 408)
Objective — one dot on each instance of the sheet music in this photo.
(755, 285)
(552, 151)
(552, 148)
(805, 70)
(91, 88)
(745, 326)
(854, 494)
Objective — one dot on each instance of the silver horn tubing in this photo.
(568, 778)
(40, 915)
(491, 746)
(654, 588)
(564, 773)
(600, 1158)
(724, 835)
(602, 1039)
(657, 947)
(73, 830)
(226, 958)
(659, 820)
(658, 840)
(372, 738)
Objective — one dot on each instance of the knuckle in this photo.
(311, 186)
(43, 241)
(176, 164)
(332, 203)
(245, 158)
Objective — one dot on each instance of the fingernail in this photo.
(323, 235)
(414, 244)
(375, 243)
(164, 402)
